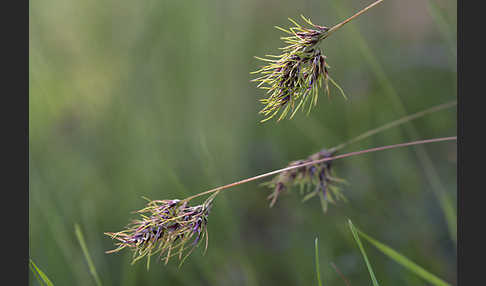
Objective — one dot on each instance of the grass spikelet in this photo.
(300, 71)
(295, 75)
(167, 227)
(314, 180)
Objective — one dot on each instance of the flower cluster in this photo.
(168, 227)
(313, 180)
(297, 74)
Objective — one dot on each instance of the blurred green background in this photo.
(153, 98)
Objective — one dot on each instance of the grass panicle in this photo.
(293, 78)
(166, 227)
(313, 180)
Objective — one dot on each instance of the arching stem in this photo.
(321, 161)
(395, 123)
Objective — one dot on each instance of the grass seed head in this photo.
(313, 180)
(293, 78)
(165, 227)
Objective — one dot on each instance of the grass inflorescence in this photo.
(314, 180)
(166, 227)
(174, 228)
(293, 78)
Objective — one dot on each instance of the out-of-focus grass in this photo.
(39, 275)
(318, 269)
(87, 256)
(401, 259)
(363, 253)
(153, 98)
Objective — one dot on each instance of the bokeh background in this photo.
(153, 98)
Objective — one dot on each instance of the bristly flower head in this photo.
(313, 180)
(293, 78)
(168, 227)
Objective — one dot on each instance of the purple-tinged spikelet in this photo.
(166, 227)
(296, 75)
(313, 180)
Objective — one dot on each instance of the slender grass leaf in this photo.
(92, 269)
(361, 248)
(404, 261)
(316, 245)
(41, 276)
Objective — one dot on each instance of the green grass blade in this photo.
(91, 266)
(361, 248)
(316, 245)
(36, 274)
(41, 276)
(405, 262)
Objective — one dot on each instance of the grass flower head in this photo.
(165, 227)
(313, 180)
(293, 79)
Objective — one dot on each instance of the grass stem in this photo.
(337, 26)
(321, 161)
(395, 123)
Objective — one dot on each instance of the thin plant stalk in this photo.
(395, 123)
(419, 142)
(337, 26)
(340, 274)
(318, 271)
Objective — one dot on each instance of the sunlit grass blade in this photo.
(361, 248)
(41, 276)
(92, 269)
(318, 272)
(404, 261)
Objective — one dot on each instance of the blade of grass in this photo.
(404, 261)
(41, 276)
(34, 272)
(92, 269)
(318, 272)
(361, 248)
